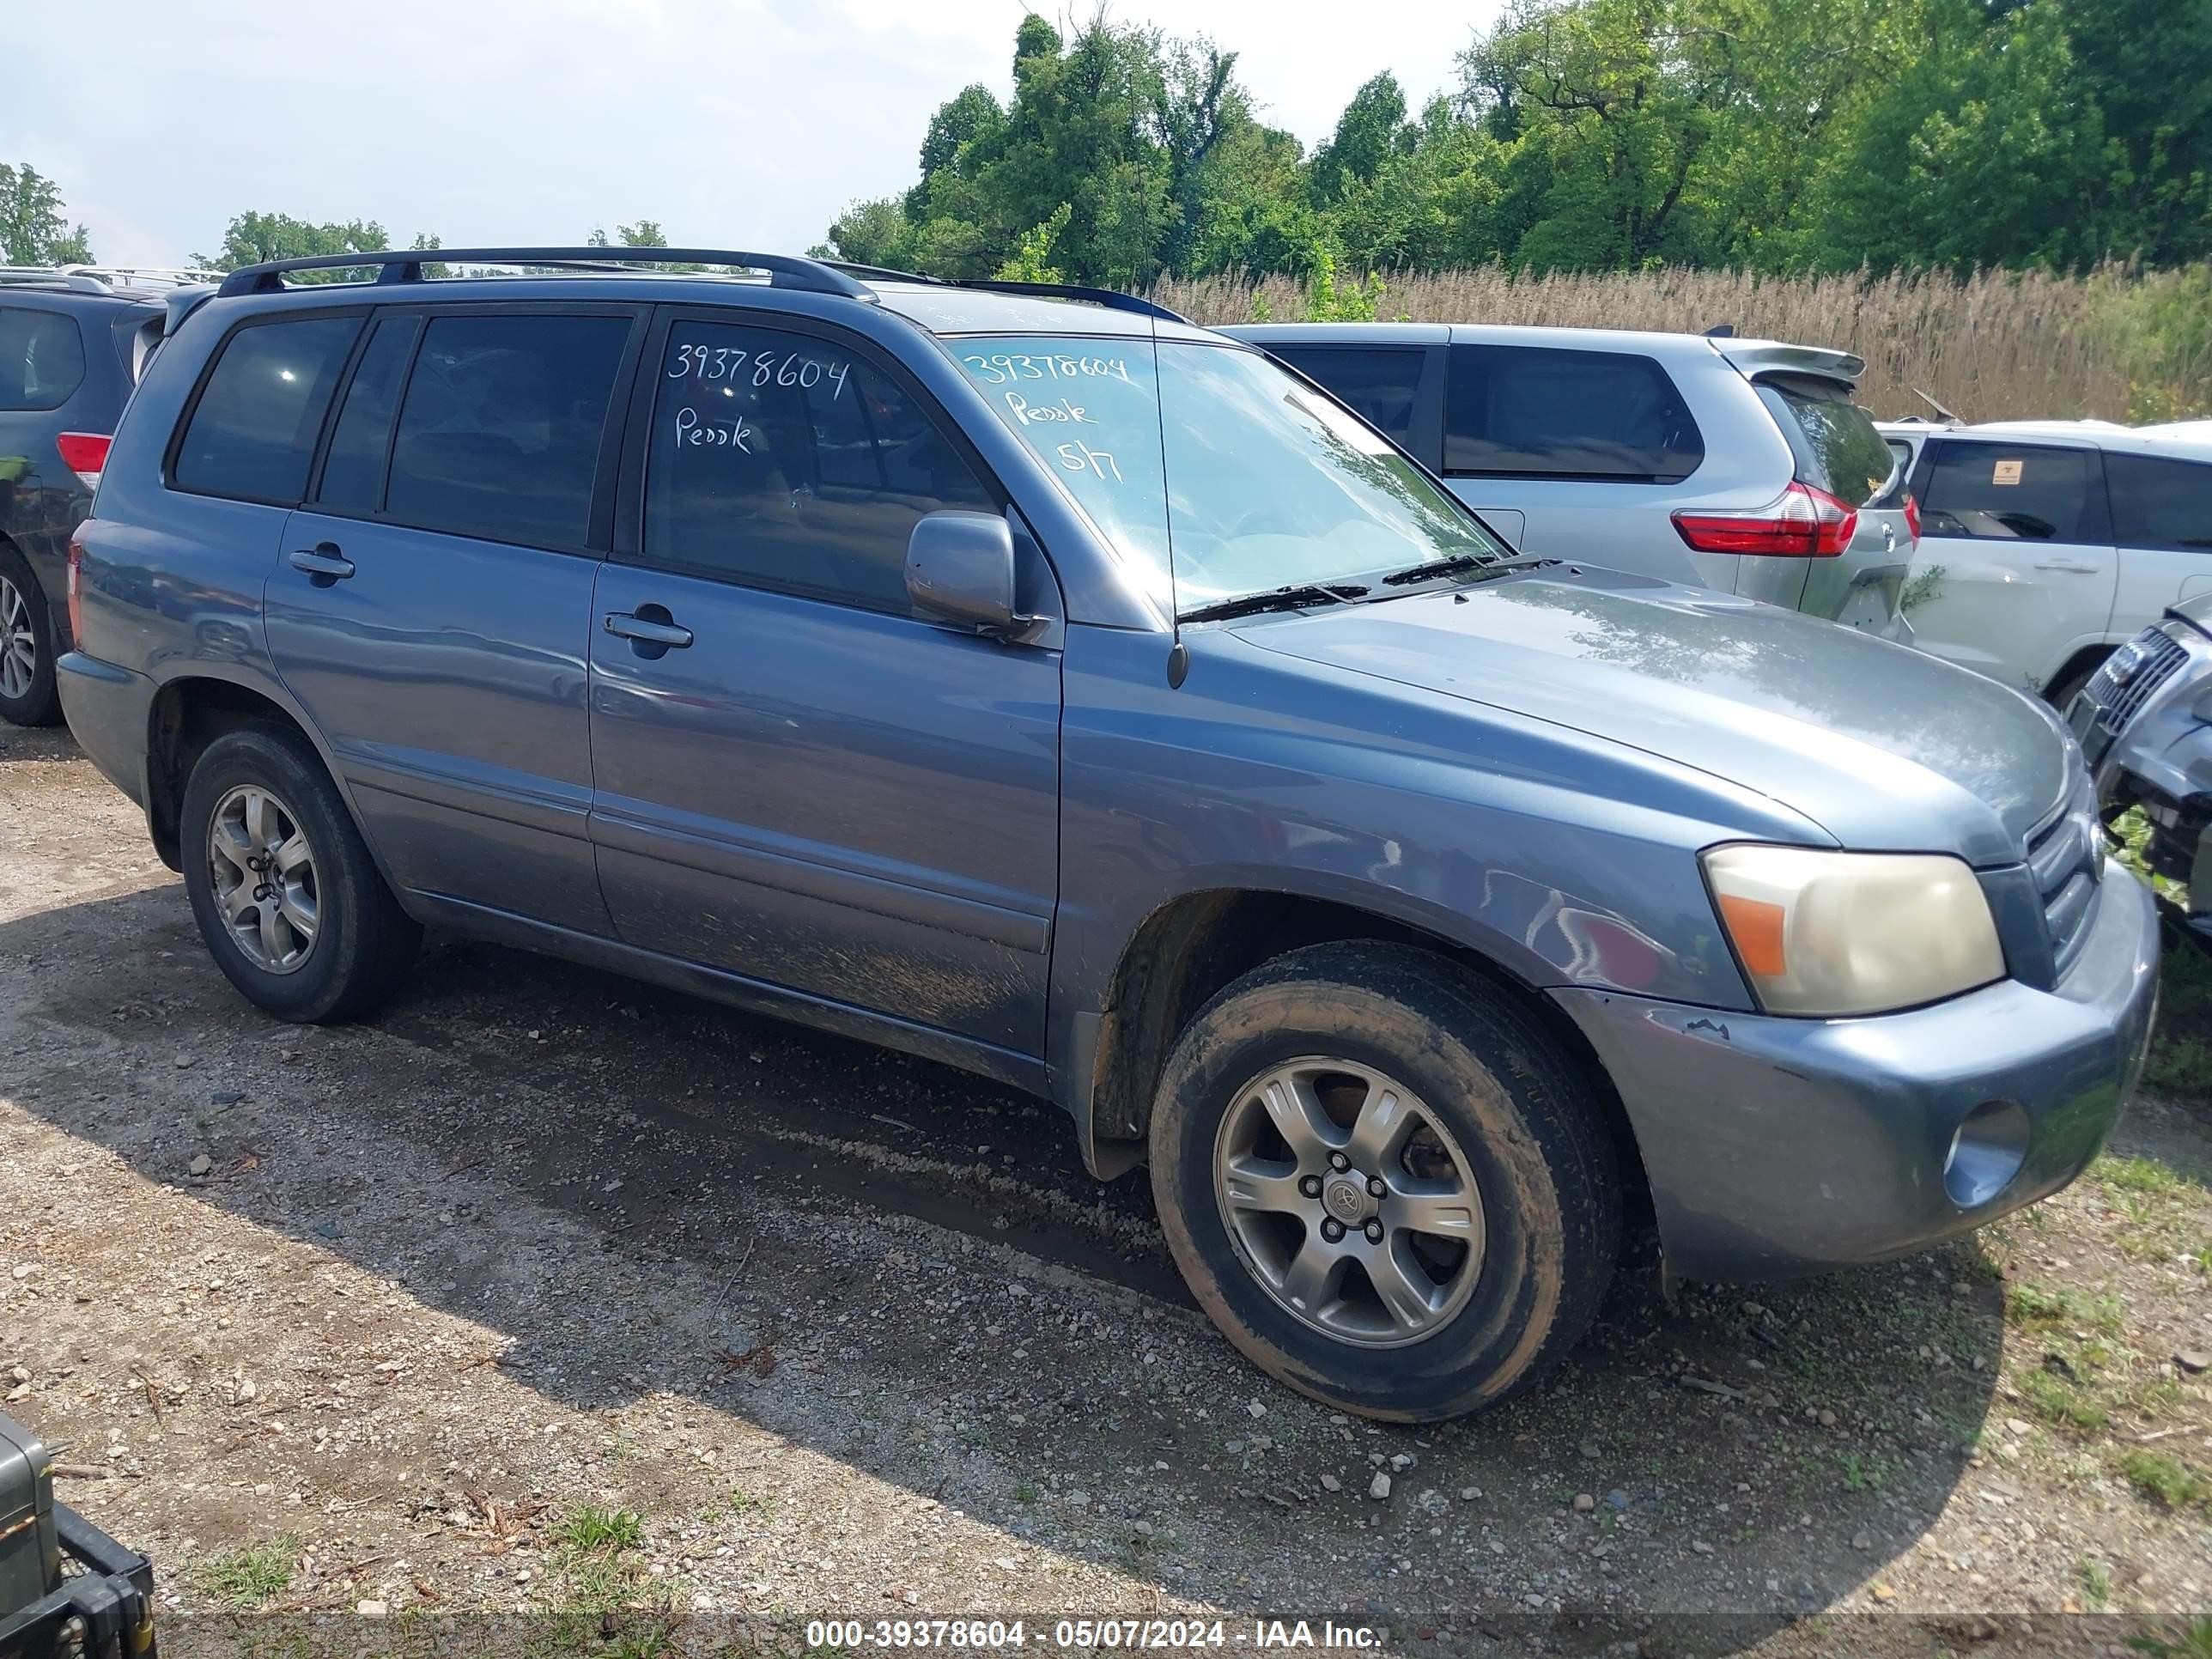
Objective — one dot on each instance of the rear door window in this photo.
(784, 461)
(1381, 385)
(251, 433)
(353, 471)
(2159, 503)
(501, 426)
(41, 358)
(2002, 492)
(1538, 412)
(1832, 438)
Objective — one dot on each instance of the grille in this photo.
(2155, 654)
(2066, 857)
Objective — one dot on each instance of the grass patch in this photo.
(591, 1530)
(2060, 1401)
(2035, 1309)
(247, 1578)
(2095, 1579)
(2191, 1641)
(2177, 1484)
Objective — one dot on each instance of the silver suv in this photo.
(1741, 466)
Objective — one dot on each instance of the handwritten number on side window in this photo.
(788, 368)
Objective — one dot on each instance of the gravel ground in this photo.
(550, 1294)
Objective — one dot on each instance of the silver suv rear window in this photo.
(1832, 439)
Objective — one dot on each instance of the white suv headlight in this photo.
(1834, 933)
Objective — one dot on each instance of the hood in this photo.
(2196, 611)
(1885, 748)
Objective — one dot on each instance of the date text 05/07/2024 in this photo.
(1091, 1635)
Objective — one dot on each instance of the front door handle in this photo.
(648, 630)
(2072, 567)
(324, 562)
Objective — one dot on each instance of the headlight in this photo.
(1834, 933)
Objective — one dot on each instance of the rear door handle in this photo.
(2072, 567)
(324, 562)
(668, 635)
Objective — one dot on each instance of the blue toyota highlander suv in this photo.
(1033, 681)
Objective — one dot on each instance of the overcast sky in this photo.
(734, 122)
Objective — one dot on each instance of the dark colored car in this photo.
(72, 344)
(1038, 682)
(2145, 721)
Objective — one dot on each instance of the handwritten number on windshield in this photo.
(1003, 368)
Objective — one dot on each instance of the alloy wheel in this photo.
(1350, 1201)
(19, 645)
(263, 873)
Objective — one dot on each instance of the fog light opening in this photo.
(1986, 1153)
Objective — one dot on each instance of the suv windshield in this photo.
(1257, 481)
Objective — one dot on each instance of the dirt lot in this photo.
(545, 1292)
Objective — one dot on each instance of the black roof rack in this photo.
(1112, 298)
(397, 266)
(883, 273)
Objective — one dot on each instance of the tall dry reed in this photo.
(1999, 345)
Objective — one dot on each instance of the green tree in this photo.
(1985, 151)
(1367, 135)
(33, 230)
(254, 239)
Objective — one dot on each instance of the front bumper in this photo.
(1781, 1147)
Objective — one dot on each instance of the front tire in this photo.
(291, 905)
(1385, 1180)
(26, 646)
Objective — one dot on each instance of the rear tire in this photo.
(1493, 1220)
(26, 646)
(291, 905)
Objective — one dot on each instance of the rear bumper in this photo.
(107, 708)
(1784, 1146)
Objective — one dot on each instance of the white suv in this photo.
(1736, 464)
(2045, 544)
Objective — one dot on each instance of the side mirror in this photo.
(960, 569)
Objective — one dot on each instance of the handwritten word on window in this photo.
(732, 431)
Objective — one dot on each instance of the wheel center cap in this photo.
(1345, 1196)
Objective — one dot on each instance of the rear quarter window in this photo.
(252, 431)
(1832, 438)
(1539, 412)
(1381, 385)
(2160, 503)
(41, 358)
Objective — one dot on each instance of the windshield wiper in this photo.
(1452, 566)
(1295, 597)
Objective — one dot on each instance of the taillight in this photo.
(1912, 517)
(1804, 523)
(85, 453)
(77, 587)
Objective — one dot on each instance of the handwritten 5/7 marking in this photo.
(1082, 457)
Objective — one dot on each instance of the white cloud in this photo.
(747, 123)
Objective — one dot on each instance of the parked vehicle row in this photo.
(1026, 679)
(2045, 544)
(72, 341)
(1740, 465)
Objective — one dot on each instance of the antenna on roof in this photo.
(1720, 332)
